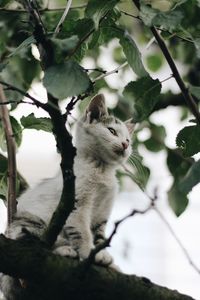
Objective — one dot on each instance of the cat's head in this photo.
(101, 136)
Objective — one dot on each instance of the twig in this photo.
(95, 69)
(176, 238)
(74, 100)
(106, 242)
(110, 72)
(186, 94)
(154, 207)
(41, 10)
(58, 27)
(71, 104)
(173, 34)
(25, 94)
(11, 150)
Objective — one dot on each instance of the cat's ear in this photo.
(97, 108)
(130, 125)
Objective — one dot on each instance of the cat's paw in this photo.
(66, 251)
(103, 258)
(84, 251)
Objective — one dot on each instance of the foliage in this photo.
(82, 35)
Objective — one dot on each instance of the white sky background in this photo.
(143, 245)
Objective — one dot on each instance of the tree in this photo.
(64, 37)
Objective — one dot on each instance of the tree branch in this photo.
(107, 241)
(55, 277)
(63, 138)
(25, 94)
(186, 94)
(161, 216)
(58, 27)
(11, 150)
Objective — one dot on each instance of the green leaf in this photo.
(154, 62)
(67, 79)
(156, 141)
(25, 44)
(188, 140)
(31, 122)
(178, 201)
(177, 163)
(191, 179)
(20, 72)
(4, 2)
(3, 187)
(63, 47)
(132, 54)
(168, 20)
(144, 95)
(197, 46)
(97, 9)
(195, 91)
(17, 130)
(141, 173)
(21, 183)
(2, 66)
(3, 146)
(3, 164)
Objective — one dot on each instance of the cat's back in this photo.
(42, 199)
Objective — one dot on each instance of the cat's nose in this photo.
(124, 145)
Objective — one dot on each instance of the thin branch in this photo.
(74, 100)
(173, 34)
(154, 207)
(185, 252)
(116, 70)
(186, 94)
(106, 242)
(25, 94)
(11, 150)
(71, 104)
(58, 27)
(41, 10)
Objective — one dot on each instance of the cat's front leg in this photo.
(78, 233)
(102, 257)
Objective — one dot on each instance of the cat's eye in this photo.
(112, 130)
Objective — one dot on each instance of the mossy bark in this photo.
(49, 276)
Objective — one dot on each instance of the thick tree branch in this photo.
(55, 277)
(11, 150)
(63, 138)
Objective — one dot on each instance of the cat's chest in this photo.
(94, 179)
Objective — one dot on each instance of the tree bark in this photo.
(49, 276)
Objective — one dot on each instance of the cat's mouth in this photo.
(120, 152)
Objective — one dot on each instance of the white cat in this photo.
(103, 143)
